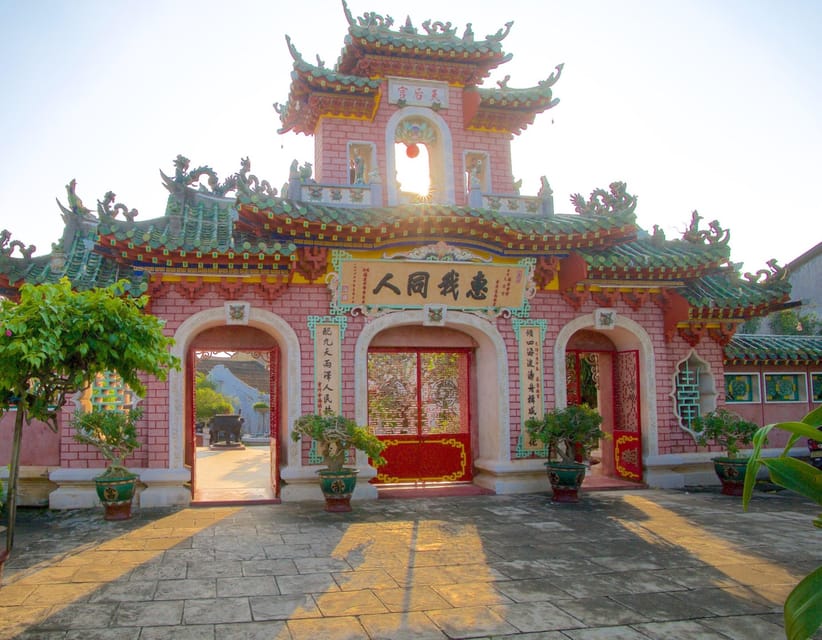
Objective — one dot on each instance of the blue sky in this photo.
(703, 105)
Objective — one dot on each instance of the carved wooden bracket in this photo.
(311, 262)
(156, 287)
(723, 333)
(230, 290)
(545, 270)
(675, 309)
(191, 289)
(693, 333)
(272, 287)
(605, 297)
(574, 298)
(635, 299)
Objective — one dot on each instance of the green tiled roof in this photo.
(769, 349)
(325, 78)
(195, 222)
(725, 289)
(85, 267)
(556, 225)
(647, 254)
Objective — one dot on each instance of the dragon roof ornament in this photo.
(251, 184)
(773, 275)
(603, 203)
(75, 208)
(7, 246)
(714, 235)
(105, 210)
(184, 178)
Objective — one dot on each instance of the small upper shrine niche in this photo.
(404, 108)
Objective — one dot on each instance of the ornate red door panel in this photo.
(418, 404)
(627, 432)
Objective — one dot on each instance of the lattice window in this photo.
(786, 387)
(694, 391)
(742, 388)
(816, 386)
(108, 391)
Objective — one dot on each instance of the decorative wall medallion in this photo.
(237, 312)
(434, 315)
(605, 319)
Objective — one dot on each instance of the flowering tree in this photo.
(55, 341)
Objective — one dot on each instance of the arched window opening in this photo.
(413, 171)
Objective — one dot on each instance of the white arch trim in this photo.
(444, 148)
(493, 416)
(647, 370)
(266, 321)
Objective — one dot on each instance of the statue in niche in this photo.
(476, 173)
(358, 169)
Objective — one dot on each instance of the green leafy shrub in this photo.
(568, 433)
(335, 436)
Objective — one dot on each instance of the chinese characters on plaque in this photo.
(417, 93)
(415, 284)
(327, 364)
(530, 365)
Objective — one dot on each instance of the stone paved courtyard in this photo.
(619, 565)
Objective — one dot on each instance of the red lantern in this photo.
(412, 150)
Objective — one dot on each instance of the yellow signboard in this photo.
(416, 283)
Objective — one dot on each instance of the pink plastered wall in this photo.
(333, 135)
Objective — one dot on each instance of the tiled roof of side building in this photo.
(774, 350)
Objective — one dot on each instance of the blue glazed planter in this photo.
(337, 487)
(116, 492)
(731, 473)
(566, 479)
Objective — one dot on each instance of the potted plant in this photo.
(114, 434)
(569, 435)
(730, 431)
(335, 436)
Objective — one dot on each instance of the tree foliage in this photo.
(793, 323)
(208, 402)
(55, 341)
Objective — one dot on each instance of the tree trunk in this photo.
(14, 473)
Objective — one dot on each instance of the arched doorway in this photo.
(420, 404)
(606, 377)
(232, 415)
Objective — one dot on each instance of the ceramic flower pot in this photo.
(566, 479)
(337, 487)
(116, 492)
(731, 473)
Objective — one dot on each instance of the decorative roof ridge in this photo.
(434, 30)
(543, 87)
(320, 69)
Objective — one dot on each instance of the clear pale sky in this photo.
(696, 104)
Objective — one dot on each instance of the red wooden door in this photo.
(627, 432)
(418, 404)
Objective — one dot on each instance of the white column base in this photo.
(164, 487)
(516, 476)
